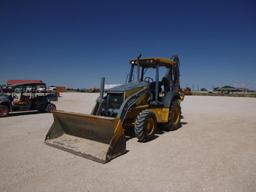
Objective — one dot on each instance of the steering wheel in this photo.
(148, 79)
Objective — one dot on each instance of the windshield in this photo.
(146, 73)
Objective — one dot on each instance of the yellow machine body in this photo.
(100, 136)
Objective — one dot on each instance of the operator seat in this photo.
(152, 88)
(166, 84)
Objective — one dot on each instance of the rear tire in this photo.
(4, 110)
(50, 108)
(145, 126)
(174, 117)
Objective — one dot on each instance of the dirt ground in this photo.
(215, 150)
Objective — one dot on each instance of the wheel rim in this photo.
(175, 115)
(150, 126)
(51, 108)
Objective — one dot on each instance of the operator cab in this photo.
(161, 74)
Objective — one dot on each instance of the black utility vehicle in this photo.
(25, 97)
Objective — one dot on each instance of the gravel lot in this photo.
(215, 150)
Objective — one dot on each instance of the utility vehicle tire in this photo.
(50, 108)
(174, 117)
(4, 110)
(145, 126)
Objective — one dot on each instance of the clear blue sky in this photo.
(74, 43)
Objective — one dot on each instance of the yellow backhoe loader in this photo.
(143, 104)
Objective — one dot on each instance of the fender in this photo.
(130, 102)
(169, 98)
(4, 100)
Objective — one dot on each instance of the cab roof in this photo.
(27, 84)
(152, 62)
(15, 81)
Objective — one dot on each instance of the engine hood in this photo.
(128, 86)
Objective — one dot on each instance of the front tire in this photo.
(145, 126)
(50, 108)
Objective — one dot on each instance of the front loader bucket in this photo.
(94, 137)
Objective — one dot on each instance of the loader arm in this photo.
(130, 102)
